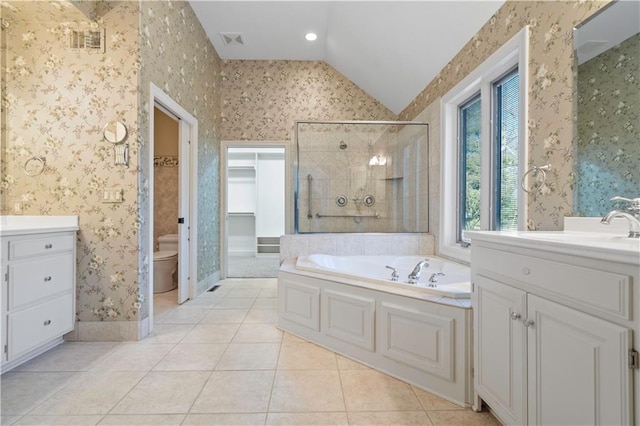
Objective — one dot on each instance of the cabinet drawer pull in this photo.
(526, 271)
(47, 322)
(515, 316)
(527, 323)
(48, 246)
(47, 279)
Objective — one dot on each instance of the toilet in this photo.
(165, 264)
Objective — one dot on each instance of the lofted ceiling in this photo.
(390, 49)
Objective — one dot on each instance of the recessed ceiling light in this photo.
(311, 36)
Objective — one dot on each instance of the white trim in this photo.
(288, 216)
(513, 52)
(158, 97)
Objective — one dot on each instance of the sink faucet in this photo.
(415, 274)
(631, 213)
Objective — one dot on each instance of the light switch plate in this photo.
(112, 195)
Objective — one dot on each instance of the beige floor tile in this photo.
(168, 298)
(345, 363)
(225, 316)
(254, 282)
(134, 357)
(250, 356)
(268, 292)
(389, 418)
(261, 316)
(253, 333)
(430, 401)
(167, 333)
(89, 393)
(244, 292)
(211, 333)
(328, 419)
(306, 356)
(290, 338)
(390, 394)
(192, 357)
(9, 420)
(22, 391)
(143, 419)
(235, 303)
(300, 390)
(163, 392)
(70, 356)
(460, 418)
(225, 419)
(235, 392)
(265, 303)
(182, 315)
(59, 420)
(271, 283)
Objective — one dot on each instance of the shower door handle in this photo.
(181, 220)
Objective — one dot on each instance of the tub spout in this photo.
(415, 274)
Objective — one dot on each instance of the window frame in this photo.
(513, 54)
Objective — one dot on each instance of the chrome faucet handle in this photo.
(394, 273)
(634, 203)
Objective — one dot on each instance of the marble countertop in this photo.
(20, 225)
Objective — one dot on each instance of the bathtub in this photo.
(454, 281)
(415, 333)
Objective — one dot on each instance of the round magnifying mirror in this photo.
(114, 132)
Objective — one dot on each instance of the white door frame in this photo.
(224, 206)
(188, 133)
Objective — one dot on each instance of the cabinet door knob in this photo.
(515, 316)
(48, 246)
(47, 279)
(47, 322)
(527, 323)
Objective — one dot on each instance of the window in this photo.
(483, 149)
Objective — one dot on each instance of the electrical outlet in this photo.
(17, 207)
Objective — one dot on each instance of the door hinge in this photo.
(634, 362)
(6, 349)
(6, 277)
(473, 287)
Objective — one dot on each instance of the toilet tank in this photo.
(168, 242)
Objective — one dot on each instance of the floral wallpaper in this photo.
(608, 139)
(550, 105)
(177, 56)
(56, 101)
(262, 99)
(165, 197)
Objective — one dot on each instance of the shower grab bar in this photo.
(375, 215)
(310, 212)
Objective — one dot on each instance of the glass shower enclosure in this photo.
(362, 176)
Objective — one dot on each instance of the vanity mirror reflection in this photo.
(607, 127)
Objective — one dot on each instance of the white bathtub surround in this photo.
(421, 338)
(294, 245)
(555, 314)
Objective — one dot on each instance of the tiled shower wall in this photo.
(335, 161)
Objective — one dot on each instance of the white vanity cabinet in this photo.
(38, 285)
(552, 333)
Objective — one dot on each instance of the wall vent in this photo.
(232, 39)
(89, 40)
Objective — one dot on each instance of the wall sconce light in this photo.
(378, 160)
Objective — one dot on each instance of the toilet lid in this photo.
(164, 254)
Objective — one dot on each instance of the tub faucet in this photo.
(415, 274)
(631, 213)
(394, 274)
(433, 279)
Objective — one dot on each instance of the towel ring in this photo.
(34, 165)
(535, 170)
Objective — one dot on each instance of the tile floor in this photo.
(218, 359)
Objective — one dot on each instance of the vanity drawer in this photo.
(33, 326)
(23, 248)
(40, 279)
(606, 292)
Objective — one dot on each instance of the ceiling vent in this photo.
(232, 39)
(89, 40)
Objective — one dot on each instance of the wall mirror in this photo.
(607, 105)
(114, 132)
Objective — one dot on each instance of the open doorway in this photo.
(255, 210)
(172, 211)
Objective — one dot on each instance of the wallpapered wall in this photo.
(176, 55)
(550, 91)
(165, 197)
(262, 99)
(608, 129)
(56, 101)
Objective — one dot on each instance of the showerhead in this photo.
(343, 145)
